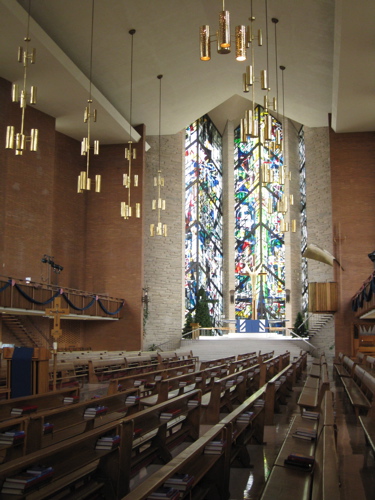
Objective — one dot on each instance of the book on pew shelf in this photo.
(193, 402)
(137, 431)
(302, 433)
(20, 483)
(107, 442)
(214, 448)
(181, 482)
(68, 400)
(158, 378)
(22, 410)
(149, 385)
(130, 400)
(312, 415)
(245, 417)
(305, 462)
(12, 437)
(48, 428)
(95, 411)
(166, 415)
(259, 403)
(165, 492)
(138, 383)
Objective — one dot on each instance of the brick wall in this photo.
(352, 159)
(43, 214)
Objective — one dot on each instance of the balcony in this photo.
(32, 298)
(363, 302)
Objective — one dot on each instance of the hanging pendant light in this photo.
(223, 38)
(158, 204)
(130, 153)
(18, 140)
(84, 181)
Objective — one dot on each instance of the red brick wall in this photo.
(352, 159)
(42, 213)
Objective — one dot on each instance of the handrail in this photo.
(303, 339)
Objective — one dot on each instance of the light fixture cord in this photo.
(131, 80)
(160, 77)
(91, 49)
(277, 76)
(28, 23)
(267, 38)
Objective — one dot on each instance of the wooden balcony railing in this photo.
(363, 302)
(17, 294)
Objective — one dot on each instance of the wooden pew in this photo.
(147, 382)
(101, 370)
(321, 482)
(240, 364)
(70, 420)
(66, 375)
(216, 362)
(207, 470)
(313, 390)
(16, 447)
(87, 470)
(246, 355)
(40, 401)
(278, 388)
(233, 388)
(151, 437)
(360, 389)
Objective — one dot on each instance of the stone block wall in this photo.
(164, 257)
(319, 218)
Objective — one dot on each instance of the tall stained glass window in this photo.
(259, 204)
(203, 216)
(302, 187)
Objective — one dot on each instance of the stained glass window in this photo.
(302, 187)
(260, 251)
(203, 216)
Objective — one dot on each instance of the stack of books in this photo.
(259, 403)
(229, 384)
(167, 415)
(138, 383)
(193, 402)
(181, 482)
(68, 400)
(26, 481)
(48, 428)
(95, 411)
(22, 410)
(245, 417)
(198, 379)
(312, 415)
(240, 379)
(131, 400)
(304, 462)
(107, 442)
(302, 433)
(158, 378)
(214, 448)
(12, 437)
(164, 492)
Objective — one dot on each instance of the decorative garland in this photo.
(364, 294)
(61, 292)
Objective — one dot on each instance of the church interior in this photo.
(106, 214)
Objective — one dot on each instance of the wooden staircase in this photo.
(24, 337)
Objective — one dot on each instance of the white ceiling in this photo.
(327, 47)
